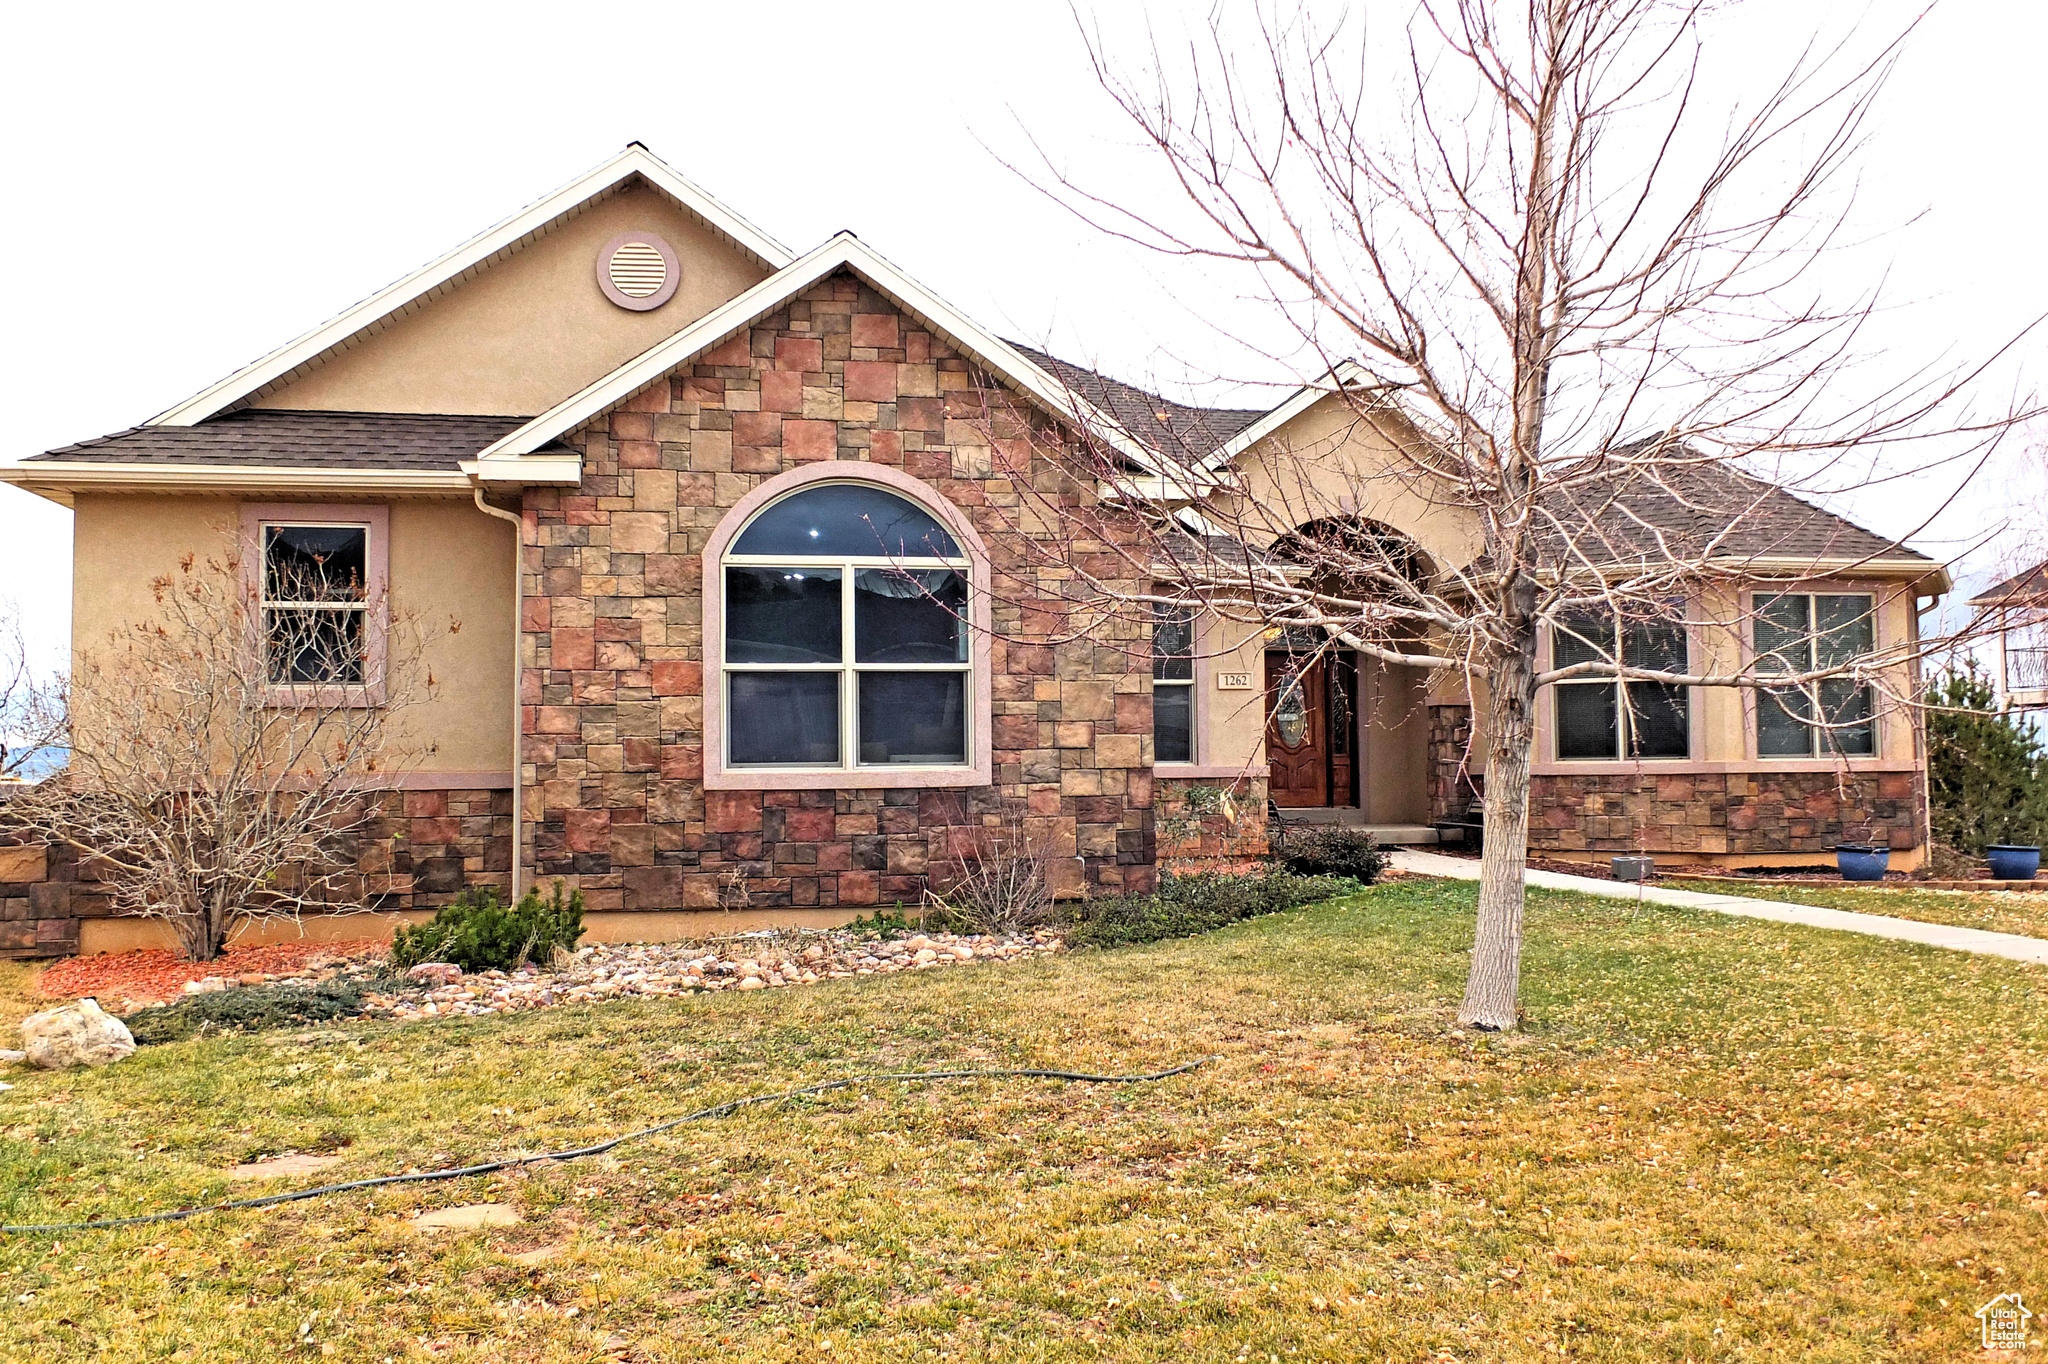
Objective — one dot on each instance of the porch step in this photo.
(1403, 835)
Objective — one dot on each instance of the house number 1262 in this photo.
(1233, 681)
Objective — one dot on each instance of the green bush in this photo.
(248, 1008)
(1187, 905)
(1987, 774)
(479, 932)
(1331, 850)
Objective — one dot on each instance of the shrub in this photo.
(250, 1008)
(1331, 850)
(479, 932)
(1003, 887)
(1187, 905)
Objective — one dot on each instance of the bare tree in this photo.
(1573, 303)
(226, 752)
(32, 722)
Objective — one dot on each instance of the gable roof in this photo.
(430, 281)
(2029, 587)
(499, 461)
(285, 438)
(1178, 431)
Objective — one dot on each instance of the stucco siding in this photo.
(530, 329)
(451, 570)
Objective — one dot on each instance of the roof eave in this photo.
(58, 480)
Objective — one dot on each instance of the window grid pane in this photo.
(1173, 730)
(1612, 719)
(1808, 632)
(897, 634)
(1173, 643)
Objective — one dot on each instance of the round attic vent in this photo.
(638, 270)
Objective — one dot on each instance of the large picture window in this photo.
(1604, 718)
(846, 637)
(1173, 684)
(1805, 632)
(315, 603)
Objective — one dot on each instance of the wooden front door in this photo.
(1297, 730)
(1310, 729)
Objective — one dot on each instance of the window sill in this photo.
(1185, 771)
(318, 697)
(842, 778)
(1679, 766)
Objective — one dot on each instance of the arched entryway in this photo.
(1346, 733)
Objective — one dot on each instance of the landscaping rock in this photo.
(467, 1218)
(13, 1058)
(435, 973)
(81, 1034)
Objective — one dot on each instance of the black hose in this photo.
(599, 1148)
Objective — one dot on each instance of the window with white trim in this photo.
(846, 640)
(315, 602)
(1806, 632)
(1606, 718)
(1173, 683)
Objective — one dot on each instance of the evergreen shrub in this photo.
(480, 932)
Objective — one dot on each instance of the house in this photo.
(671, 477)
(2017, 610)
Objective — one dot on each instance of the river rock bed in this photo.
(755, 961)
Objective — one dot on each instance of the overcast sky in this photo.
(192, 186)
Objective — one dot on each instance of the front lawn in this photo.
(1721, 1139)
(2001, 911)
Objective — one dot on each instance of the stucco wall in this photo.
(530, 329)
(1333, 461)
(451, 566)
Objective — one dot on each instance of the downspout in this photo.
(518, 675)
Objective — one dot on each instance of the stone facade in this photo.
(1199, 837)
(614, 687)
(421, 851)
(1452, 789)
(1725, 813)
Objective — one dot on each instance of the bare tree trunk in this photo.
(1491, 989)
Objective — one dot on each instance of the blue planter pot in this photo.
(2010, 862)
(1862, 861)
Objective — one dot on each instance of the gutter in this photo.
(57, 479)
(518, 677)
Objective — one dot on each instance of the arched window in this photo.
(846, 640)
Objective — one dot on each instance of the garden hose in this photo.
(599, 1148)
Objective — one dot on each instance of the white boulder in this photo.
(81, 1034)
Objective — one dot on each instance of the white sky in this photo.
(191, 186)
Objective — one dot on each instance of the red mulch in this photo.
(152, 975)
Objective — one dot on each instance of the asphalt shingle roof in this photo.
(1173, 429)
(2027, 588)
(1675, 509)
(407, 441)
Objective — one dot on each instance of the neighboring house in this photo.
(2017, 612)
(644, 453)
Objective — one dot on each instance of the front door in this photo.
(1309, 724)
(1297, 730)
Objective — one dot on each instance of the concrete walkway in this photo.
(2010, 945)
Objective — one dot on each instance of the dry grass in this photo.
(18, 997)
(1720, 1139)
(2000, 911)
